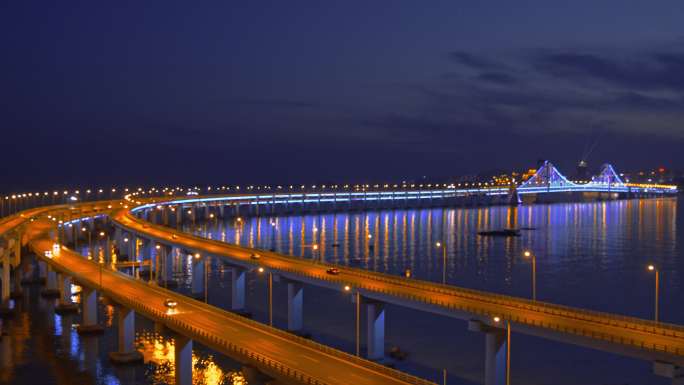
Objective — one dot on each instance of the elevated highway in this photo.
(277, 353)
(488, 313)
(609, 332)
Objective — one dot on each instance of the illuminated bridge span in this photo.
(485, 312)
(129, 230)
(546, 185)
(276, 353)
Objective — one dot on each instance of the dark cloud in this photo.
(497, 78)
(664, 70)
(641, 101)
(473, 61)
(276, 103)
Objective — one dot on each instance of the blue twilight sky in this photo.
(288, 91)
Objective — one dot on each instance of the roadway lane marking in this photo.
(309, 358)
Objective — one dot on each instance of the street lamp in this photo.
(444, 258)
(314, 248)
(90, 242)
(657, 284)
(270, 295)
(357, 298)
(497, 320)
(529, 254)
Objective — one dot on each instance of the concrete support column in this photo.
(108, 250)
(91, 356)
(89, 322)
(375, 314)
(168, 254)
(118, 238)
(5, 292)
(132, 247)
(183, 360)
(42, 270)
(64, 287)
(295, 306)
(238, 281)
(197, 276)
(17, 252)
(51, 289)
(495, 357)
(18, 276)
(126, 325)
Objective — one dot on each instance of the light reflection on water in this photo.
(40, 346)
(159, 351)
(587, 253)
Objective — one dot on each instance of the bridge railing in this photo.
(223, 343)
(599, 318)
(608, 319)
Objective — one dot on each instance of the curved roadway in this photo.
(280, 354)
(609, 332)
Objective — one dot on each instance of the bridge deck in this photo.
(619, 334)
(273, 351)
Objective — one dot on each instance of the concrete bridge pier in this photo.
(64, 286)
(183, 360)
(237, 284)
(118, 239)
(15, 281)
(198, 277)
(495, 357)
(42, 271)
(91, 355)
(167, 254)
(132, 247)
(50, 289)
(668, 370)
(126, 325)
(295, 306)
(5, 303)
(375, 317)
(107, 250)
(89, 312)
(496, 349)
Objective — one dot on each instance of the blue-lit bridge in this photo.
(546, 185)
(138, 230)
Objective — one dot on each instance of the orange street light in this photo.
(444, 260)
(497, 320)
(529, 254)
(657, 287)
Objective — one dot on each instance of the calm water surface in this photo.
(590, 255)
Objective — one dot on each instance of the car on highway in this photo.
(333, 271)
(255, 256)
(170, 303)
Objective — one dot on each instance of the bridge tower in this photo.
(547, 176)
(607, 178)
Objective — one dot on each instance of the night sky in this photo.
(321, 91)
